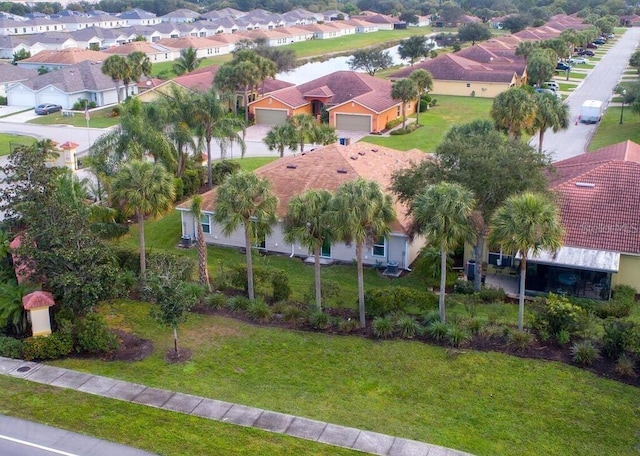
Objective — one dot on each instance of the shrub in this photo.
(393, 123)
(280, 285)
(10, 347)
(383, 327)
(490, 294)
(193, 179)
(614, 309)
(3, 101)
(620, 336)
(319, 320)
(473, 325)
(383, 301)
(51, 347)
(80, 104)
(407, 326)
(349, 325)
(563, 337)
(238, 276)
(259, 310)
(556, 313)
(403, 131)
(291, 313)
(437, 330)
(238, 303)
(93, 335)
(457, 336)
(430, 317)
(520, 340)
(463, 287)
(115, 111)
(178, 185)
(215, 300)
(626, 367)
(584, 352)
(222, 169)
(494, 331)
(623, 293)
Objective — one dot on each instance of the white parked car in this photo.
(578, 60)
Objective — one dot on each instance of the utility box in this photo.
(591, 111)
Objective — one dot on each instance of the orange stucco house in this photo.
(354, 101)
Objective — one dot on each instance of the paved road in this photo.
(598, 85)
(24, 438)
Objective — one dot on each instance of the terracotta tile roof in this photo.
(199, 80)
(69, 56)
(271, 85)
(138, 46)
(187, 42)
(37, 299)
(599, 198)
(319, 169)
(451, 67)
(323, 91)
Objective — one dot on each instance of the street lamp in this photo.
(624, 94)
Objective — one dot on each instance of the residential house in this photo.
(66, 86)
(138, 16)
(599, 201)
(156, 52)
(322, 31)
(101, 38)
(204, 47)
(224, 25)
(299, 34)
(40, 25)
(224, 12)
(324, 168)
(277, 37)
(52, 60)
(52, 41)
(354, 102)
(632, 20)
(169, 30)
(457, 75)
(362, 26)
(180, 16)
(334, 15)
(147, 32)
(10, 26)
(382, 21)
(11, 74)
(9, 45)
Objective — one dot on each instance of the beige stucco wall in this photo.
(481, 89)
(629, 272)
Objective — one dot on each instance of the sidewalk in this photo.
(330, 434)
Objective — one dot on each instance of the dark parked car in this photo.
(47, 108)
(562, 67)
(599, 42)
(592, 46)
(587, 52)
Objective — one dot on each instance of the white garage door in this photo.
(21, 98)
(352, 122)
(270, 116)
(54, 98)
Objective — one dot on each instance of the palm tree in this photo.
(114, 66)
(424, 83)
(248, 200)
(187, 62)
(527, 223)
(303, 125)
(442, 213)
(180, 120)
(525, 48)
(323, 134)
(404, 90)
(308, 222)
(11, 310)
(196, 211)
(280, 137)
(144, 189)
(551, 113)
(212, 121)
(139, 64)
(361, 213)
(514, 111)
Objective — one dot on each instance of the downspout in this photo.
(293, 250)
(405, 254)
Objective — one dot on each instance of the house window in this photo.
(379, 247)
(205, 221)
(398, 112)
(468, 84)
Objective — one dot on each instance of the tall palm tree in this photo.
(144, 189)
(180, 124)
(442, 213)
(114, 66)
(424, 83)
(527, 223)
(203, 272)
(248, 200)
(514, 111)
(525, 48)
(361, 213)
(404, 90)
(552, 113)
(323, 134)
(303, 126)
(280, 137)
(308, 222)
(139, 64)
(187, 62)
(212, 121)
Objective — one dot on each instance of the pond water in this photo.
(314, 70)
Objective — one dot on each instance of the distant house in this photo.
(66, 86)
(599, 202)
(632, 20)
(101, 38)
(53, 60)
(354, 102)
(155, 51)
(9, 45)
(10, 75)
(204, 47)
(52, 41)
(180, 15)
(324, 168)
(138, 16)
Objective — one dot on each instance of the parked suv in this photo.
(553, 85)
(562, 67)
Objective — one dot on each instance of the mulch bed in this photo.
(130, 348)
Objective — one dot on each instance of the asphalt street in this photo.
(598, 85)
(24, 438)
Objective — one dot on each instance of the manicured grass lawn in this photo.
(99, 119)
(436, 122)
(148, 428)
(7, 141)
(611, 132)
(485, 403)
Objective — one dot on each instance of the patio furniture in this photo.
(567, 278)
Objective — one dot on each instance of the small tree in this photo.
(404, 90)
(474, 31)
(280, 137)
(634, 61)
(424, 83)
(20, 55)
(414, 47)
(370, 60)
(187, 62)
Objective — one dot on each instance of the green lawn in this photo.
(7, 142)
(159, 431)
(100, 118)
(611, 132)
(484, 403)
(436, 122)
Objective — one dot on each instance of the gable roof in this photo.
(341, 87)
(599, 198)
(138, 46)
(68, 56)
(84, 76)
(189, 42)
(318, 169)
(12, 73)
